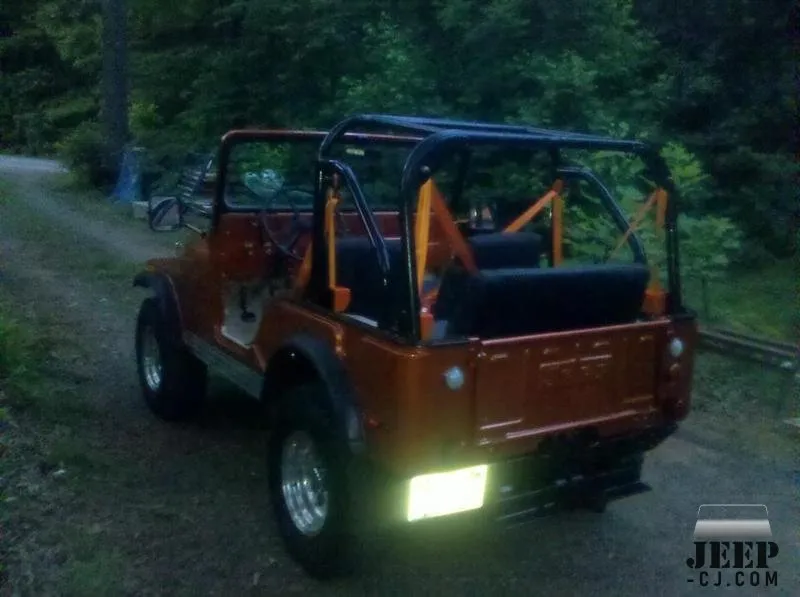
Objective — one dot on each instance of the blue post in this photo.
(128, 187)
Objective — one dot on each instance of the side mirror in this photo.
(164, 214)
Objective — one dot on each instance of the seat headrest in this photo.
(499, 250)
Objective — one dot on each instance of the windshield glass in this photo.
(269, 174)
(279, 175)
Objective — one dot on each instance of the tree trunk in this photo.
(115, 82)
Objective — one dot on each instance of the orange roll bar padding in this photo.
(330, 232)
(423, 230)
(341, 295)
(661, 210)
(430, 199)
(533, 210)
(655, 302)
(558, 229)
(304, 271)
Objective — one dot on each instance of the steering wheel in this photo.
(296, 229)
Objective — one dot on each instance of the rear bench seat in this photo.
(497, 250)
(516, 301)
(490, 251)
(510, 295)
(357, 266)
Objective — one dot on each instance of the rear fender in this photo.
(303, 357)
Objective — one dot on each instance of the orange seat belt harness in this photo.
(554, 196)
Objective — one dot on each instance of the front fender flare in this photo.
(164, 292)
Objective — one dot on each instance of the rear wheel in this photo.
(309, 486)
(173, 380)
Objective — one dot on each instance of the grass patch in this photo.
(91, 200)
(92, 206)
(738, 387)
(41, 417)
(743, 404)
(32, 380)
(93, 569)
(102, 206)
(5, 192)
(71, 452)
(67, 250)
(20, 350)
(760, 301)
(96, 577)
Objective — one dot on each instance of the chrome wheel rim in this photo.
(303, 482)
(151, 360)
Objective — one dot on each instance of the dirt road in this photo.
(109, 501)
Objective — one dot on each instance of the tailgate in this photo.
(529, 387)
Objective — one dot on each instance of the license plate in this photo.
(440, 494)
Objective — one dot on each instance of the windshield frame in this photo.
(235, 137)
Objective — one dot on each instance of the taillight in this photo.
(674, 372)
(676, 347)
(677, 370)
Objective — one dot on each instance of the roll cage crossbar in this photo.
(439, 138)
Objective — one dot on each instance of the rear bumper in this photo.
(579, 471)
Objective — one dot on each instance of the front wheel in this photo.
(309, 486)
(173, 380)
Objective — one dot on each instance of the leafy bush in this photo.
(144, 121)
(690, 177)
(709, 244)
(84, 152)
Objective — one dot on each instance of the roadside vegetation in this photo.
(49, 463)
(40, 415)
(764, 301)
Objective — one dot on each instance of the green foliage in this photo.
(759, 301)
(15, 348)
(84, 152)
(145, 121)
(715, 82)
(396, 75)
(690, 178)
(708, 246)
(99, 574)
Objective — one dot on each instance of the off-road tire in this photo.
(330, 552)
(180, 395)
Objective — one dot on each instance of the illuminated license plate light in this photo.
(440, 494)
